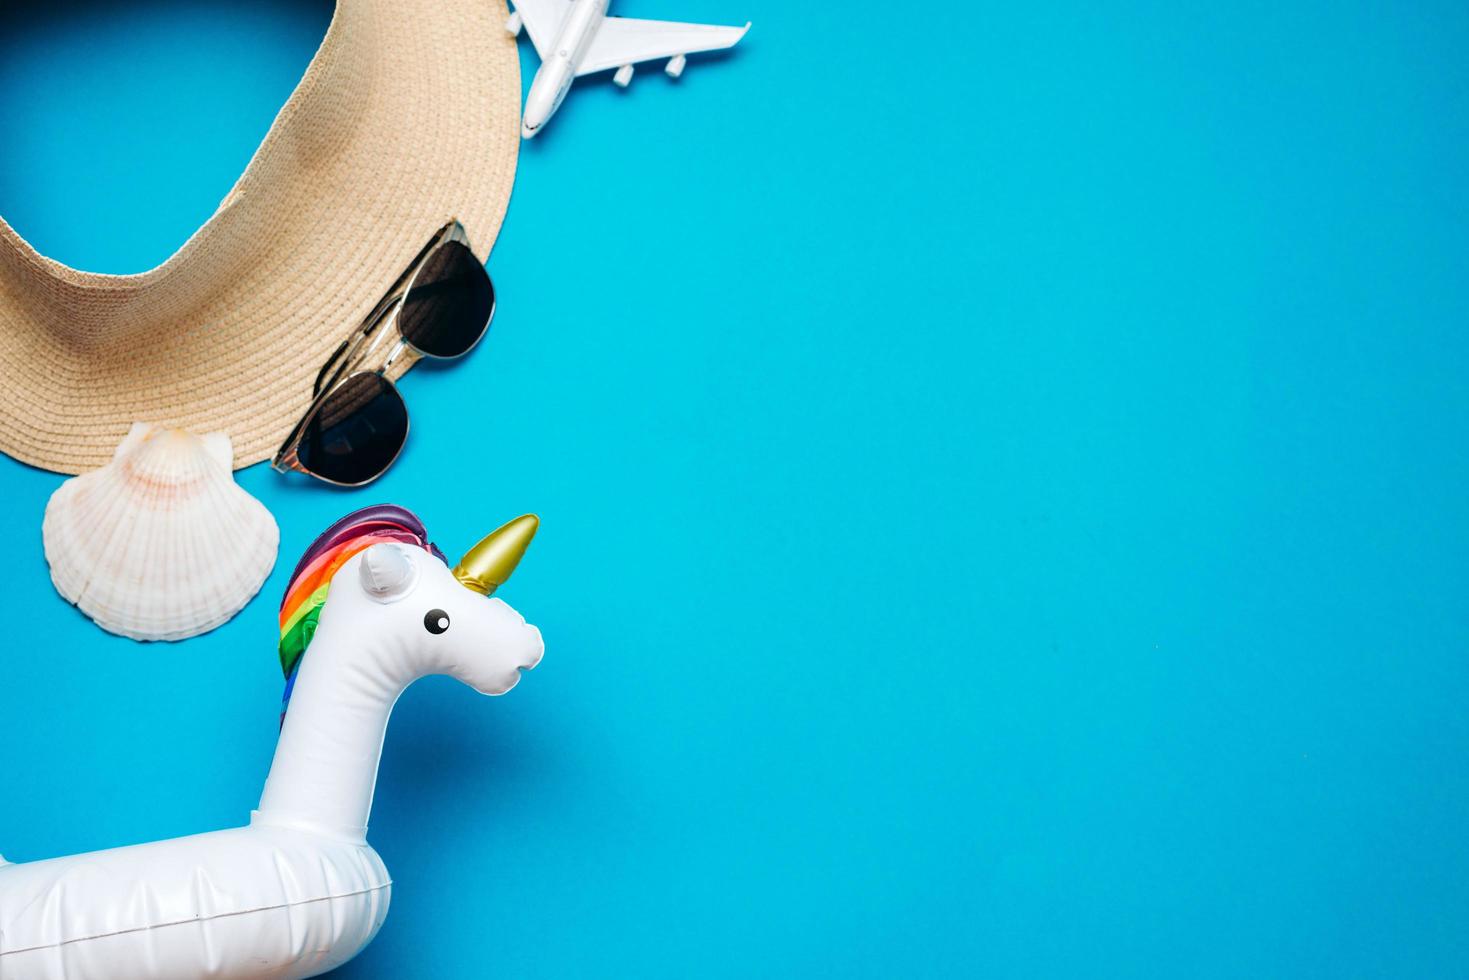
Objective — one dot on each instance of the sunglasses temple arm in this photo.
(375, 317)
(396, 290)
(325, 367)
(342, 357)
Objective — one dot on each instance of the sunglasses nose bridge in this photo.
(401, 357)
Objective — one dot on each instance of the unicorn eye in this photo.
(436, 621)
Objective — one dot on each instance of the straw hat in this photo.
(407, 116)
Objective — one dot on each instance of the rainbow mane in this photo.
(307, 590)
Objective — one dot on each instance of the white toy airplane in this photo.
(576, 37)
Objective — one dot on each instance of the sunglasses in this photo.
(357, 422)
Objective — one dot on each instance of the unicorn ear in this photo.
(387, 572)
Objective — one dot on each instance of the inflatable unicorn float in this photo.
(298, 891)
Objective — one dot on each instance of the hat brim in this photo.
(407, 116)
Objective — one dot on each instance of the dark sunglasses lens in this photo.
(357, 433)
(449, 307)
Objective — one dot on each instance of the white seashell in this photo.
(161, 543)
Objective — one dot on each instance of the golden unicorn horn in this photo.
(487, 565)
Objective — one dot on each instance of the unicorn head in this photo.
(379, 562)
(378, 606)
(440, 618)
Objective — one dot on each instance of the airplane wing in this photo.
(542, 20)
(627, 40)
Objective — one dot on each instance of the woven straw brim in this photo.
(407, 116)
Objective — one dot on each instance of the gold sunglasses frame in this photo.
(355, 350)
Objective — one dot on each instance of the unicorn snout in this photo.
(529, 653)
(514, 647)
(535, 650)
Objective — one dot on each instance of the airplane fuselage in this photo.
(558, 68)
(577, 37)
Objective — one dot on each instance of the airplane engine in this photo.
(623, 76)
(675, 66)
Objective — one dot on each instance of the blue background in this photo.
(1004, 491)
